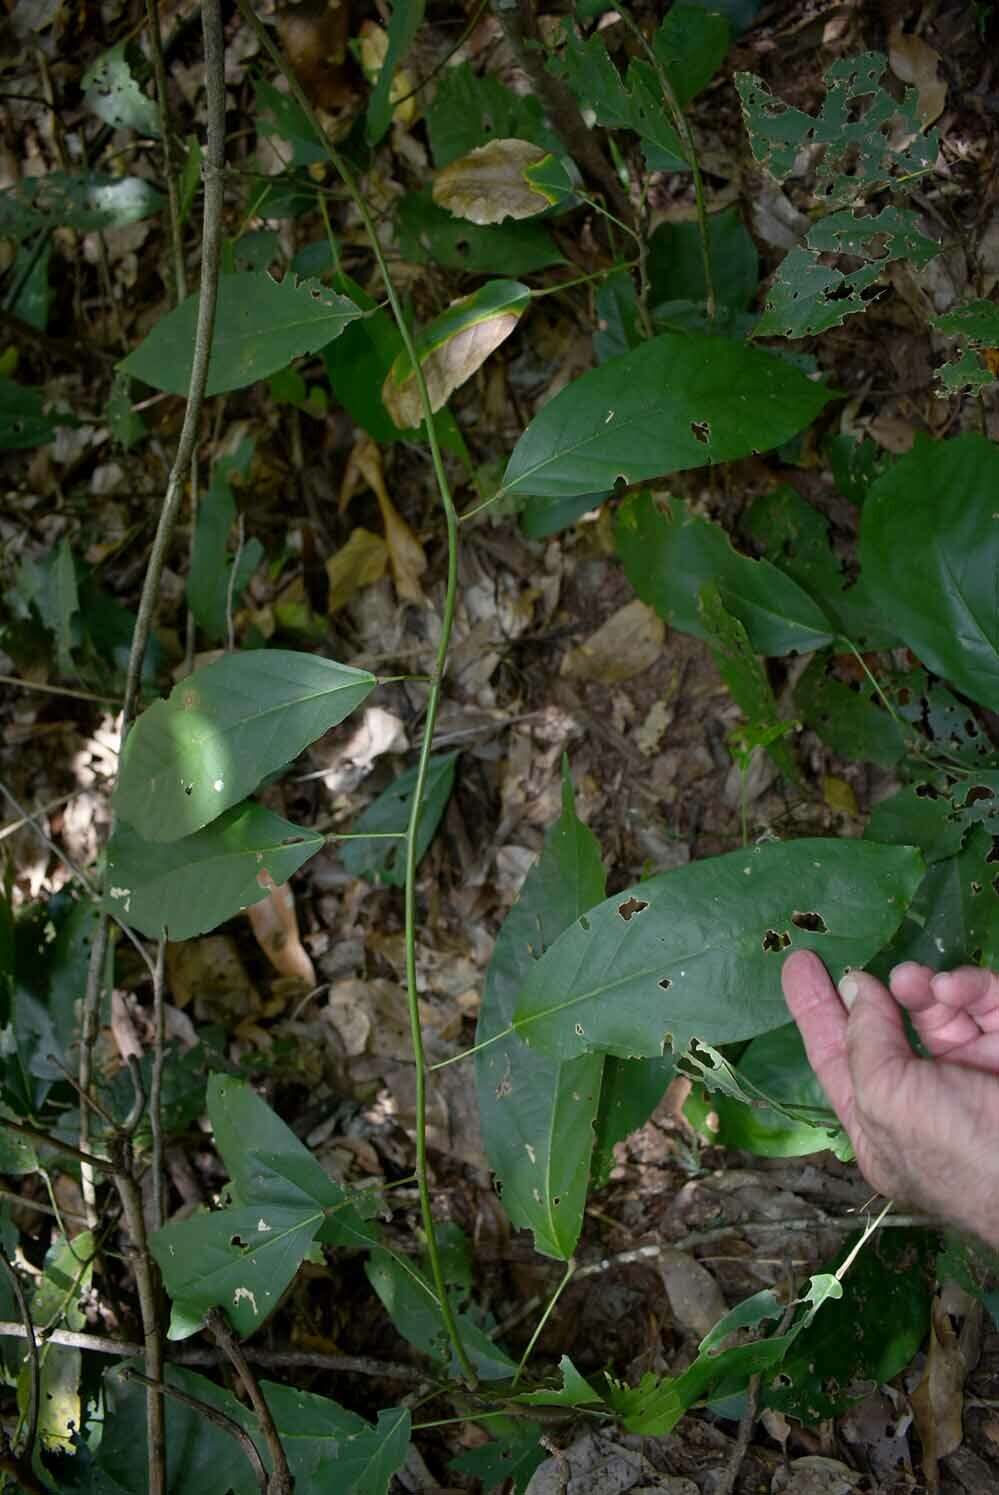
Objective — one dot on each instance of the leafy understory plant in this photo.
(592, 1003)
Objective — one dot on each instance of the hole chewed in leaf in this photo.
(630, 907)
(584, 923)
(814, 923)
(701, 431)
(665, 983)
(772, 941)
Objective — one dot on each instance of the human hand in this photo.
(925, 1131)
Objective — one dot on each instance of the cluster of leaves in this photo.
(591, 1004)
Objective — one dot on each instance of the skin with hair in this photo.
(924, 1129)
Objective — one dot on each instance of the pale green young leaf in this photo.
(112, 92)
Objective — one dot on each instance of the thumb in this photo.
(877, 1046)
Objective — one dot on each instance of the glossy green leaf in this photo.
(854, 723)
(885, 1302)
(537, 1115)
(222, 730)
(795, 537)
(669, 553)
(23, 420)
(513, 1452)
(655, 1406)
(862, 150)
(86, 200)
(469, 110)
(676, 262)
(388, 815)
(678, 401)
(928, 550)
(114, 95)
(209, 582)
(405, 22)
(412, 1305)
(260, 326)
(429, 235)
(743, 672)
(192, 885)
(696, 952)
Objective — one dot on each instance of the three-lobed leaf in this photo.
(222, 730)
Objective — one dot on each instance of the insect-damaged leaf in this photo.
(222, 730)
(260, 326)
(192, 885)
(491, 183)
(696, 952)
(453, 346)
(681, 400)
(537, 1114)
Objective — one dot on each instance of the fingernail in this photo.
(848, 990)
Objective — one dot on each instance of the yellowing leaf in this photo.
(839, 795)
(275, 924)
(357, 564)
(405, 553)
(629, 641)
(915, 62)
(452, 347)
(489, 184)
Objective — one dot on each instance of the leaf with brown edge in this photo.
(490, 183)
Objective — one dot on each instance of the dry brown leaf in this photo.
(627, 643)
(488, 184)
(447, 367)
(916, 62)
(275, 924)
(314, 36)
(363, 560)
(405, 553)
(210, 973)
(938, 1401)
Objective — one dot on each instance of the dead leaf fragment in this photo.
(363, 560)
(938, 1401)
(275, 924)
(405, 553)
(839, 795)
(627, 643)
(916, 62)
(373, 49)
(489, 185)
(210, 973)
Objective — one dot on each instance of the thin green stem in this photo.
(582, 280)
(682, 127)
(570, 1269)
(437, 678)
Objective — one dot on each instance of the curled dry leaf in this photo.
(363, 560)
(489, 184)
(452, 347)
(405, 553)
(275, 924)
(916, 62)
(629, 641)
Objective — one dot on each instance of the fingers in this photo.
(814, 1004)
(973, 990)
(942, 1027)
(877, 1048)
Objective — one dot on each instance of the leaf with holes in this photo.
(696, 952)
(453, 347)
(192, 885)
(388, 816)
(670, 553)
(260, 326)
(853, 723)
(536, 1114)
(469, 109)
(928, 546)
(222, 730)
(86, 200)
(114, 95)
(975, 361)
(678, 401)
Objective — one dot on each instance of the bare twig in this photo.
(281, 1481)
(210, 1414)
(34, 1366)
(729, 1475)
(146, 1286)
(56, 1143)
(57, 690)
(173, 201)
(230, 591)
(520, 27)
(156, 1087)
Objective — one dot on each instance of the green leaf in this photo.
(654, 1407)
(192, 885)
(676, 262)
(747, 681)
(366, 1463)
(928, 548)
(775, 1065)
(208, 581)
(190, 176)
(976, 326)
(885, 1302)
(23, 421)
(412, 1305)
(955, 914)
(858, 125)
(86, 201)
(537, 1115)
(696, 952)
(514, 1452)
(385, 861)
(796, 538)
(618, 327)
(50, 586)
(575, 1391)
(855, 464)
(691, 44)
(260, 326)
(127, 425)
(29, 278)
(281, 117)
(114, 95)
(407, 18)
(469, 110)
(853, 723)
(631, 1091)
(429, 235)
(222, 730)
(665, 407)
(669, 554)
(920, 815)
